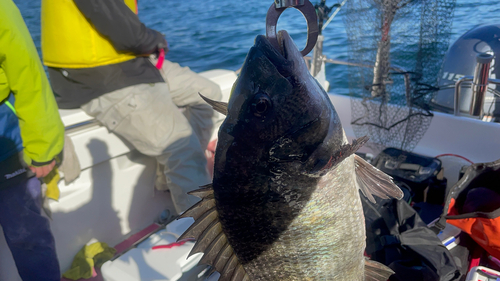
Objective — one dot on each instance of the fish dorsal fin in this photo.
(210, 238)
(371, 181)
(218, 106)
(375, 271)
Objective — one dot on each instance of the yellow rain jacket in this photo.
(22, 74)
(81, 45)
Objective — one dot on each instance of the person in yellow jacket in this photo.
(102, 59)
(31, 139)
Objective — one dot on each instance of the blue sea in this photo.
(213, 34)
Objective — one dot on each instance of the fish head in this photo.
(277, 112)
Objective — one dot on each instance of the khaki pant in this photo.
(148, 116)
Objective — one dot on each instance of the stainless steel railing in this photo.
(480, 82)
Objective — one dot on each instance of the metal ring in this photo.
(312, 25)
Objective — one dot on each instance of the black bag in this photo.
(397, 237)
(419, 172)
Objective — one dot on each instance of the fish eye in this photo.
(261, 104)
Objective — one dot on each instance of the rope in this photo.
(454, 155)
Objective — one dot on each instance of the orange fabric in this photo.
(486, 232)
(136, 8)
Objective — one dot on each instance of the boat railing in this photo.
(318, 58)
(480, 82)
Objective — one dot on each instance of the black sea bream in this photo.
(284, 203)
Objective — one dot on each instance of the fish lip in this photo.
(273, 54)
(284, 41)
(281, 58)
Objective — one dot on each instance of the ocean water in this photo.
(213, 34)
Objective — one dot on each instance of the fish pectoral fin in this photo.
(210, 237)
(338, 156)
(372, 181)
(375, 271)
(218, 106)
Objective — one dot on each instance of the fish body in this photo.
(325, 240)
(284, 203)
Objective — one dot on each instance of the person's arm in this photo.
(113, 19)
(41, 127)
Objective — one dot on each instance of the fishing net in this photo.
(396, 48)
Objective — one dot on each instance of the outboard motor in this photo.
(460, 60)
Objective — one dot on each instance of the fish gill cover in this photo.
(399, 47)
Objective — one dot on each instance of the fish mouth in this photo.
(286, 44)
(286, 58)
(283, 39)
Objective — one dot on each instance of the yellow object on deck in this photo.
(90, 256)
